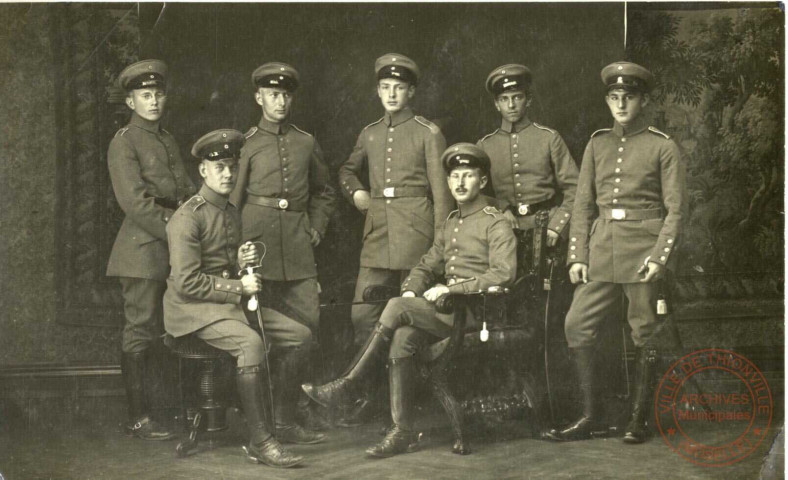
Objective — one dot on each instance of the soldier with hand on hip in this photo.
(474, 251)
(407, 200)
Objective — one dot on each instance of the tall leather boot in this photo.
(309, 414)
(590, 423)
(402, 385)
(340, 392)
(263, 447)
(645, 367)
(289, 372)
(141, 425)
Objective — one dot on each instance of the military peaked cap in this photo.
(509, 76)
(465, 155)
(276, 75)
(627, 75)
(144, 74)
(396, 66)
(219, 145)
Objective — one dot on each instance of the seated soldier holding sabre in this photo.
(475, 251)
(204, 299)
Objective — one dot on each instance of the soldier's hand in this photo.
(509, 216)
(251, 284)
(248, 254)
(652, 271)
(433, 294)
(552, 238)
(578, 272)
(408, 294)
(361, 200)
(315, 237)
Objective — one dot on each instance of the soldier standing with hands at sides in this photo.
(203, 295)
(286, 202)
(532, 168)
(627, 221)
(149, 181)
(474, 251)
(408, 200)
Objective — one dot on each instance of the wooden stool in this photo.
(211, 415)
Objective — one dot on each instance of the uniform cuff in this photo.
(560, 221)
(233, 289)
(350, 185)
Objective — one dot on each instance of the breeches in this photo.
(416, 324)
(595, 302)
(297, 299)
(245, 344)
(142, 306)
(364, 317)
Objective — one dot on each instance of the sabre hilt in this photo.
(252, 304)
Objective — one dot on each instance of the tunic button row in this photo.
(460, 222)
(514, 135)
(619, 160)
(667, 249)
(391, 129)
(388, 149)
(453, 257)
(456, 229)
(514, 146)
(618, 170)
(573, 256)
(620, 149)
(516, 165)
(615, 200)
(284, 159)
(574, 239)
(391, 140)
(518, 184)
(284, 169)
(388, 180)
(388, 159)
(573, 247)
(663, 258)
(618, 180)
(615, 190)
(623, 139)
(454, 240)
(516, 155)
(670, 240)
(516, 175)
(388, 201)
(451, 268)
(388, 169)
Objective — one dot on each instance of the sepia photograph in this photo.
(535, 240)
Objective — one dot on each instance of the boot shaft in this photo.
(371, 355)
(132, 367)
(254, 395)
(402, 387)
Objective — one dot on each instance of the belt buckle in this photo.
(283, 203)
(388, 192)
(619, 214)
(523, 209)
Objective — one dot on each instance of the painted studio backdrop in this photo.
(719, 93)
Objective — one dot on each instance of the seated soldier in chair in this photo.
(203, 299)
(476, 250)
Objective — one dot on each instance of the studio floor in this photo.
(101, 452)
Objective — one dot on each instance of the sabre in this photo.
(254, 306)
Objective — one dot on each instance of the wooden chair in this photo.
(211, 413)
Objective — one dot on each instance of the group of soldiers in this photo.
(182, 254)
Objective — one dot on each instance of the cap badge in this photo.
(150, 67)
(620, 67)
(456, 149)
(393, 59)
(503, 72)
(620, 80)
(224, 135)
(152, 76)
(226, 147)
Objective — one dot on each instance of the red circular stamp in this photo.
(713, 407)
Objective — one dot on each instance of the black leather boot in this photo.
(340, 392)
(590, 423)
(263, 447)
(289, 371)
(402, 384)
(645, 367)
(141, 425)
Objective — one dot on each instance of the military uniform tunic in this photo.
(148, 178)
(283, 162)
(475, 251)
(145, 166)
(203, 293)
(402, 153)
(629, 208)
(531, 164)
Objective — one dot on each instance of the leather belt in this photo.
(525, 209)
(220, 272)
(270, 202)
(394, 192)
(627, 214)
